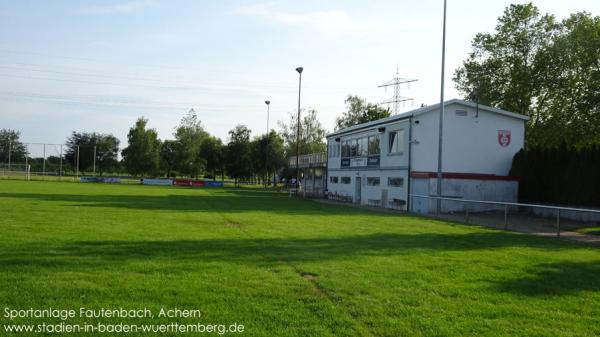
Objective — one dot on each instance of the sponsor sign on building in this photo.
(372, 161)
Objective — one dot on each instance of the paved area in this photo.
(517, 221)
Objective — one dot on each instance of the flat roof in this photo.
(423, 110)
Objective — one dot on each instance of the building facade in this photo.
(381, 162)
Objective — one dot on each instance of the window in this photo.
(346, 180)
(345, 149)
(395, 182)
(397, 142)
(353, 148)
(363, 146)
(333, 180)
(461, 113)
(373, 181)
(373, 145)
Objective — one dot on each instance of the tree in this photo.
(141, 156)
(541, 68)
(81, 147)
(268, 154)
(312, 134)
(211, 151)
(571, 110)
(9, 140)
(168, 157)
(189, 135)
(360, 111)
(238, 153)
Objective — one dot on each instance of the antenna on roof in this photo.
(397, 81)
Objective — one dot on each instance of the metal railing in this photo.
(505, 207)
(309, 160)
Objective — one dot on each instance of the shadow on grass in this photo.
(216, 201)
(556, 279)
(93, 254)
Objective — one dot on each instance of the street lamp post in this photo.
(441, 121)
(268, 103)
(299, 70)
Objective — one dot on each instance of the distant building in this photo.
(379, 163)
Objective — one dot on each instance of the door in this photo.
(420, 186)
(357, 190)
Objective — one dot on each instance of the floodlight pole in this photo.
(299, 70)
(441, 122)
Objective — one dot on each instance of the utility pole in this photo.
(441, 122)
(397, 82)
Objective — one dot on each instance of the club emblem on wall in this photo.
(504, 138)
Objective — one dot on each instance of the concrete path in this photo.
(517, 221)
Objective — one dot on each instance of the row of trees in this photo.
(193, 151)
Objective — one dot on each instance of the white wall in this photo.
(470, 142)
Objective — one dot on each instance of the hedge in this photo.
(563, 175)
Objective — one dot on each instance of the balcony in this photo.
(309, 160)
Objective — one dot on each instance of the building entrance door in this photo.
(357, 190)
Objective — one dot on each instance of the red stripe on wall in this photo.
(466, 176)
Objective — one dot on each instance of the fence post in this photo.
(77, 166)
(9, 150)
(467, 212)
(44, 161)
(94, 160)
(26, 162)
(505, 216)
(60, 168)
(558, 222)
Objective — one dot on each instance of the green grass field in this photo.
(284, 267)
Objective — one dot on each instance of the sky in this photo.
(97, 66)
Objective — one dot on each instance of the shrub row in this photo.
(562, 175)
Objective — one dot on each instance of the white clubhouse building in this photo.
(379, 163)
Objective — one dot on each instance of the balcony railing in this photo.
(309, 160)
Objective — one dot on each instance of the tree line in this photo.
(193, 152)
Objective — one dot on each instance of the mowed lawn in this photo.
(285, 267)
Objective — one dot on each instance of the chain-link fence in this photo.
(44, 161)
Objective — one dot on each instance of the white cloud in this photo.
(119, 8)
(331, 22)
